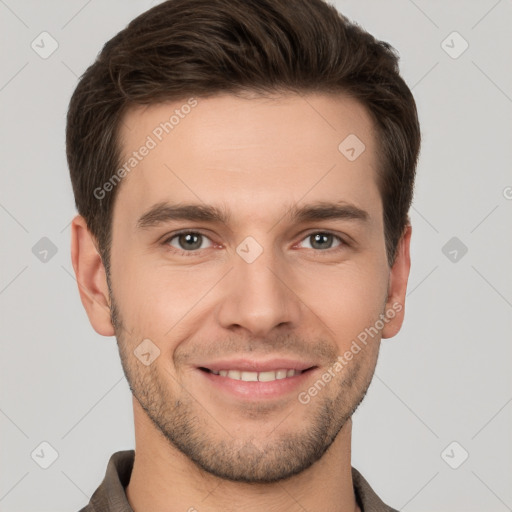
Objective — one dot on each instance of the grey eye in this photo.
(189, 241)
(322, 240)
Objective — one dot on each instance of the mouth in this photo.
(253, 386)
(264, 376)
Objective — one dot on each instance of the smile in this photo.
(248, 376)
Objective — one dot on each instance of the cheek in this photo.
(163, 302)
(348, 299)
(157, 301)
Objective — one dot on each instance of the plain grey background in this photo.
(442, 390)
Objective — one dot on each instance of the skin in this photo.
(209, 451)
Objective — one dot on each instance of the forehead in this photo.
(247, 153)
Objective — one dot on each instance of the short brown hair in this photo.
(183, 48)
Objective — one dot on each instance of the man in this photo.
(243, 171)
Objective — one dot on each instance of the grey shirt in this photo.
(110, 496)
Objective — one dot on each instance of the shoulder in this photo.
(366, 497)
(112, 489)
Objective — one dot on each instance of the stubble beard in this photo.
(188, 427)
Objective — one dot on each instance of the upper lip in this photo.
(252, 365)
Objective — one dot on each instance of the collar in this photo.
(110, 496)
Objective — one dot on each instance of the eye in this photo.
(187, 241)
(323, 240)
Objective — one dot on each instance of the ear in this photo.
(91, 277)
(399, 275)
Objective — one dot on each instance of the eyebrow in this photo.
(162, 212)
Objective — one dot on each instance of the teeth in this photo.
(266, 376)
(257, 376)
(247, 376)
(282, 374)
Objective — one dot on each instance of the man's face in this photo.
(261, 289)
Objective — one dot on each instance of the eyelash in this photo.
(180, 252)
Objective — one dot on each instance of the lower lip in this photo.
(256, 390)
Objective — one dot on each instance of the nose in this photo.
(259, 296)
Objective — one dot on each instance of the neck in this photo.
(163, 479)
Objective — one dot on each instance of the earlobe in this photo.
(398, 278)
(91, 277)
